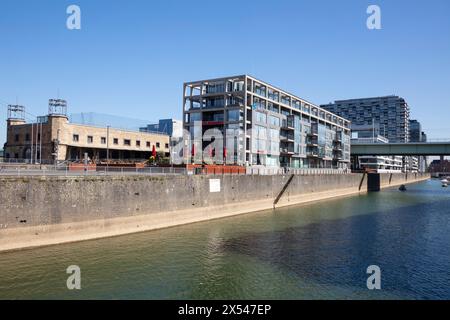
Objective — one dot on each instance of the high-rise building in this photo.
(415, 131)
(424, 137)
(417, 135)
(269, 126)
(389, 113)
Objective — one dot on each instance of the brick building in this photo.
(52, 138)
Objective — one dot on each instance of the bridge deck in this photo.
(402, 149)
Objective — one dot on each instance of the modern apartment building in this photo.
(415, 131)
(381, 164)
(262, 125)
(390, 114)
(417, 135)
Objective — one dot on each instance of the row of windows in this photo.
(27, 137)
(126, 142)
(276, 96)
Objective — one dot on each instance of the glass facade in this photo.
(273, 127)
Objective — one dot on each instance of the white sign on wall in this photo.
(214, 185)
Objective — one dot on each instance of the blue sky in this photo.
(131, 57)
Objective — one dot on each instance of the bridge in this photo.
(402, 149)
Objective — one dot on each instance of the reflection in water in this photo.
(312, 251)
(337, 252)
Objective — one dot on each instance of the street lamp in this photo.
(107, 147)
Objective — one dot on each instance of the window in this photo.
(127, 142)
(103, 140)
(157, 145)
(195, 116)
(148, 144)
(215, 87)
(90, 139)
(261, 117)
(39, 137)
(286, 100)
(116, 141)
(273, 107)
(167, 146)
(27, 137)
(76, 138)
(260, 89)
(274, 134)
(258, 103)
(274, 121)
(234, 115)
(215, 102)
(261, 132)
(138, 143)
(273, 95)
(16, 138)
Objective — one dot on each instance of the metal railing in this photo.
(67, 171)
(24, 161)
(304, 171)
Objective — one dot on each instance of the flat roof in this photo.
(267, 84)
(369, 98)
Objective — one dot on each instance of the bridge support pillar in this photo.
(373, 182)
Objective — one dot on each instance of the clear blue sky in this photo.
(131, 57)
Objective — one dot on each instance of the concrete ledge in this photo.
(20, 238)
(233, 200)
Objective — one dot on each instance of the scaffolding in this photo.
(57, 107)
(16, 112)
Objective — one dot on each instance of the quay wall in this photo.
(36, 211)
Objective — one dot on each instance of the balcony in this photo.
(287, 151)
(338, 155)
(312, 142)
(338, 146)
(288, 124)
(338, 136)
(312, 151)
(288, 137)
(312, 154)
(314, 131)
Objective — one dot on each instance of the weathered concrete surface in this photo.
(41, 211)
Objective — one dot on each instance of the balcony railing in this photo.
(288, 124)
(312, 142)
(289, 137)
(314, 131)
(287, 150)
(338, 146)
(312, 154)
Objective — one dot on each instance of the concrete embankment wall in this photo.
(38, 211)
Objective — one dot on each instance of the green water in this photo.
(316, 251)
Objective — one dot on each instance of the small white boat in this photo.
(444, 181)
